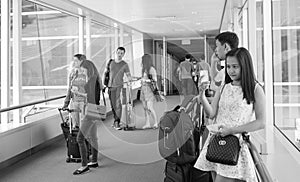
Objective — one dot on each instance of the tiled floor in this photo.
(135, 155)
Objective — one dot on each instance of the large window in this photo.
(259, 41)
(102, 45)
(49, 41)
(50, 35)
(286, 49)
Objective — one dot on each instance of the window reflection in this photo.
(49, 40)
(286, 65)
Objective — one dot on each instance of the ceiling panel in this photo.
(169, 18)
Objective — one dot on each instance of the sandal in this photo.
(146, 127)
(81, 170)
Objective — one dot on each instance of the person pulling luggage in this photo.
(85, 87)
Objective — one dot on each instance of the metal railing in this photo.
(32, 104)
(263, 174)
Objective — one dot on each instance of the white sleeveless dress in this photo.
(233, 111)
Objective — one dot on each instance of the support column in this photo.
(268, 67)
(5, 59)
(205, 49)
(116, 38)
(164, 74)
(80, 33)
(245, 28)
(88, 38)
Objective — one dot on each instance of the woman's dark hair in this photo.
(80, 57)
(147, 63)
(248, 80)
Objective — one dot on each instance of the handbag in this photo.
(106, 73)
(96, 112)
(158, 96)
(223, 150)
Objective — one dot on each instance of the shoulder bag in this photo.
(154, 89)
(96, 112)
(223, 150)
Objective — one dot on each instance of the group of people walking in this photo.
(237, 96)
(85, 86)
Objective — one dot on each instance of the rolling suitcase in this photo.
(196, 175)
(177, 172)
(128, 115)
(70, 135)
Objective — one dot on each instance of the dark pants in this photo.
(88, 129)
(115, 102)
(188, 87)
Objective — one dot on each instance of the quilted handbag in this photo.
(223, 150)
(96, 112)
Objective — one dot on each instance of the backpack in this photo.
(106, 74)
(176, 141)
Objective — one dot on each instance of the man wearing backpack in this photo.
(118, 68)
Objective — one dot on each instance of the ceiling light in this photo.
(166, 17)
(178, 29)
(186, 42)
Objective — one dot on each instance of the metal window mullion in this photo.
(17, 59)
(252, 33)
(121, 35)
(116, 38)
(245, 28)
(81, 35)
(5, 58)
(88, 37)
(205, 49)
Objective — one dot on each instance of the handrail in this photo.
(262, 170)
(30, 104)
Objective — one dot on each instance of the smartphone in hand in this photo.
(204, 76)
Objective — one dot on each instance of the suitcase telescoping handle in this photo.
(65, 109)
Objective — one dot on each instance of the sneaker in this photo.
(117, 126)
(81, 170)
(93, 164)
(155, 126)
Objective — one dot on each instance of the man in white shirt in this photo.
(185, 76)
(225, 41)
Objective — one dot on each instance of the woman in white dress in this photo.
(147, 96)
(232, 108)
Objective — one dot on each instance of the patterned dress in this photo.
(233, 111)
(146, 92)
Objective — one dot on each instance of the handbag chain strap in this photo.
(103, 98)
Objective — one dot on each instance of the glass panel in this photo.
(49, 41)
(138, 47)
(128, 44)
(260, 41)
(286, 46)
(102, 45)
